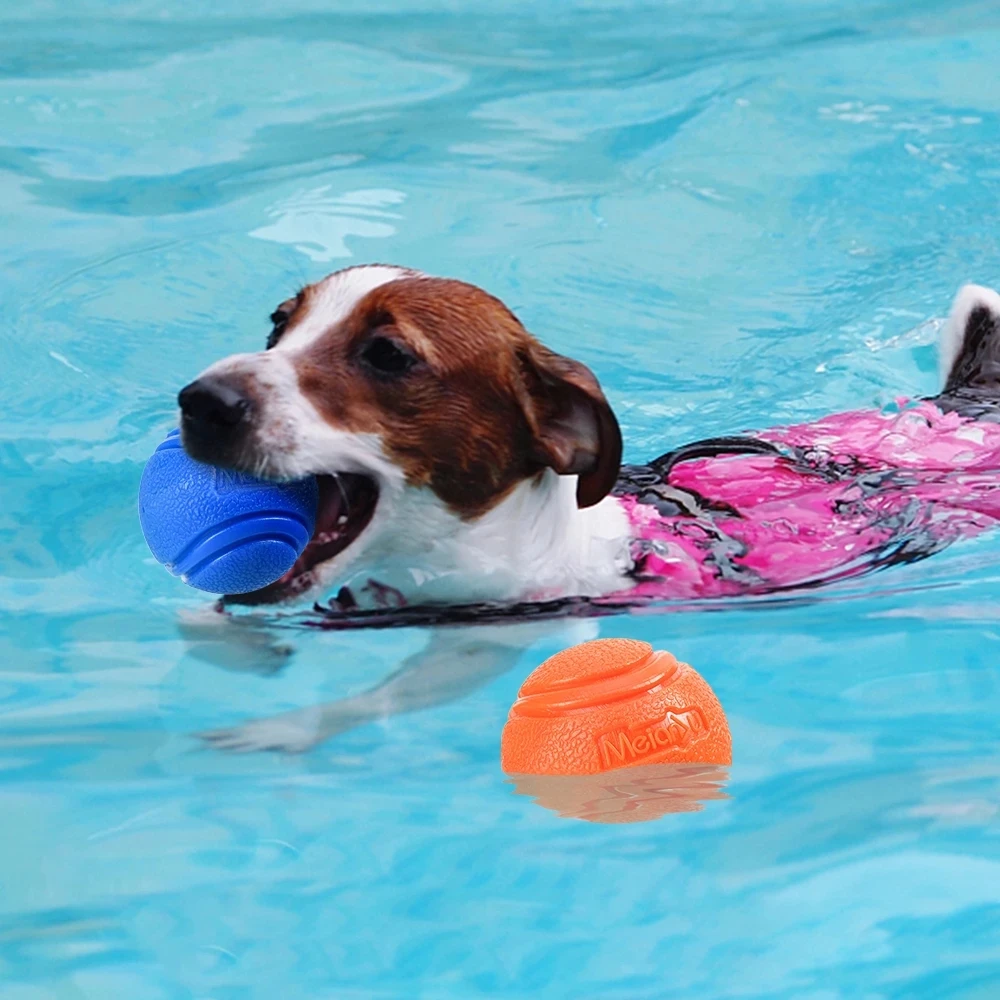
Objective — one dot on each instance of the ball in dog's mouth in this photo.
(347, 502)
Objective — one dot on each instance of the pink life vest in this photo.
(809, 504)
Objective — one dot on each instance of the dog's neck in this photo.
(536, 544)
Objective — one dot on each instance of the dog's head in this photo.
(389, 385)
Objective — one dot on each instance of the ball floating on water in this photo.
(613, 703)
(218, 530)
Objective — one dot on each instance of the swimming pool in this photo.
(739, 214)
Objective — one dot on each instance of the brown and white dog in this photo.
(459, 461)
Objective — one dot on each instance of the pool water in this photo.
(739, 214)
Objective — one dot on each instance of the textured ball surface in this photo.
(222, 531)
(613, 703)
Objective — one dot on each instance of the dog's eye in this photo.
(280, 320)
(387, 357)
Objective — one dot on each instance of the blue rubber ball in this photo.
(222, 531)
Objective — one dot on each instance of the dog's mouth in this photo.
(347, 502)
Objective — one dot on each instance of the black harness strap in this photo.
(712, 448)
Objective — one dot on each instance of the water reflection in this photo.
(628, 794)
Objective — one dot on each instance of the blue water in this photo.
(739, 213)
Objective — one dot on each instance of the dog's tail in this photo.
(970, 354)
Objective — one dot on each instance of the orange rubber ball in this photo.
(613, 703)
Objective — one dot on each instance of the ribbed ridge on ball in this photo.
(240, 530)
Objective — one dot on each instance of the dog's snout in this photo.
(213, 404)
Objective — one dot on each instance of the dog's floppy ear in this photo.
(575, 431)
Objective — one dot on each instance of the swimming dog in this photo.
(462, 463)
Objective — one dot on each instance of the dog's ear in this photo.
(575, 431)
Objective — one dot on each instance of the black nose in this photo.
(212, 403)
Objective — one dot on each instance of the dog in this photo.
(461, 463)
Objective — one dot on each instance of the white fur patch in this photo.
(334, 298)
(968, 299)
(534, 545)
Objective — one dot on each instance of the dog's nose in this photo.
(213, 403)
